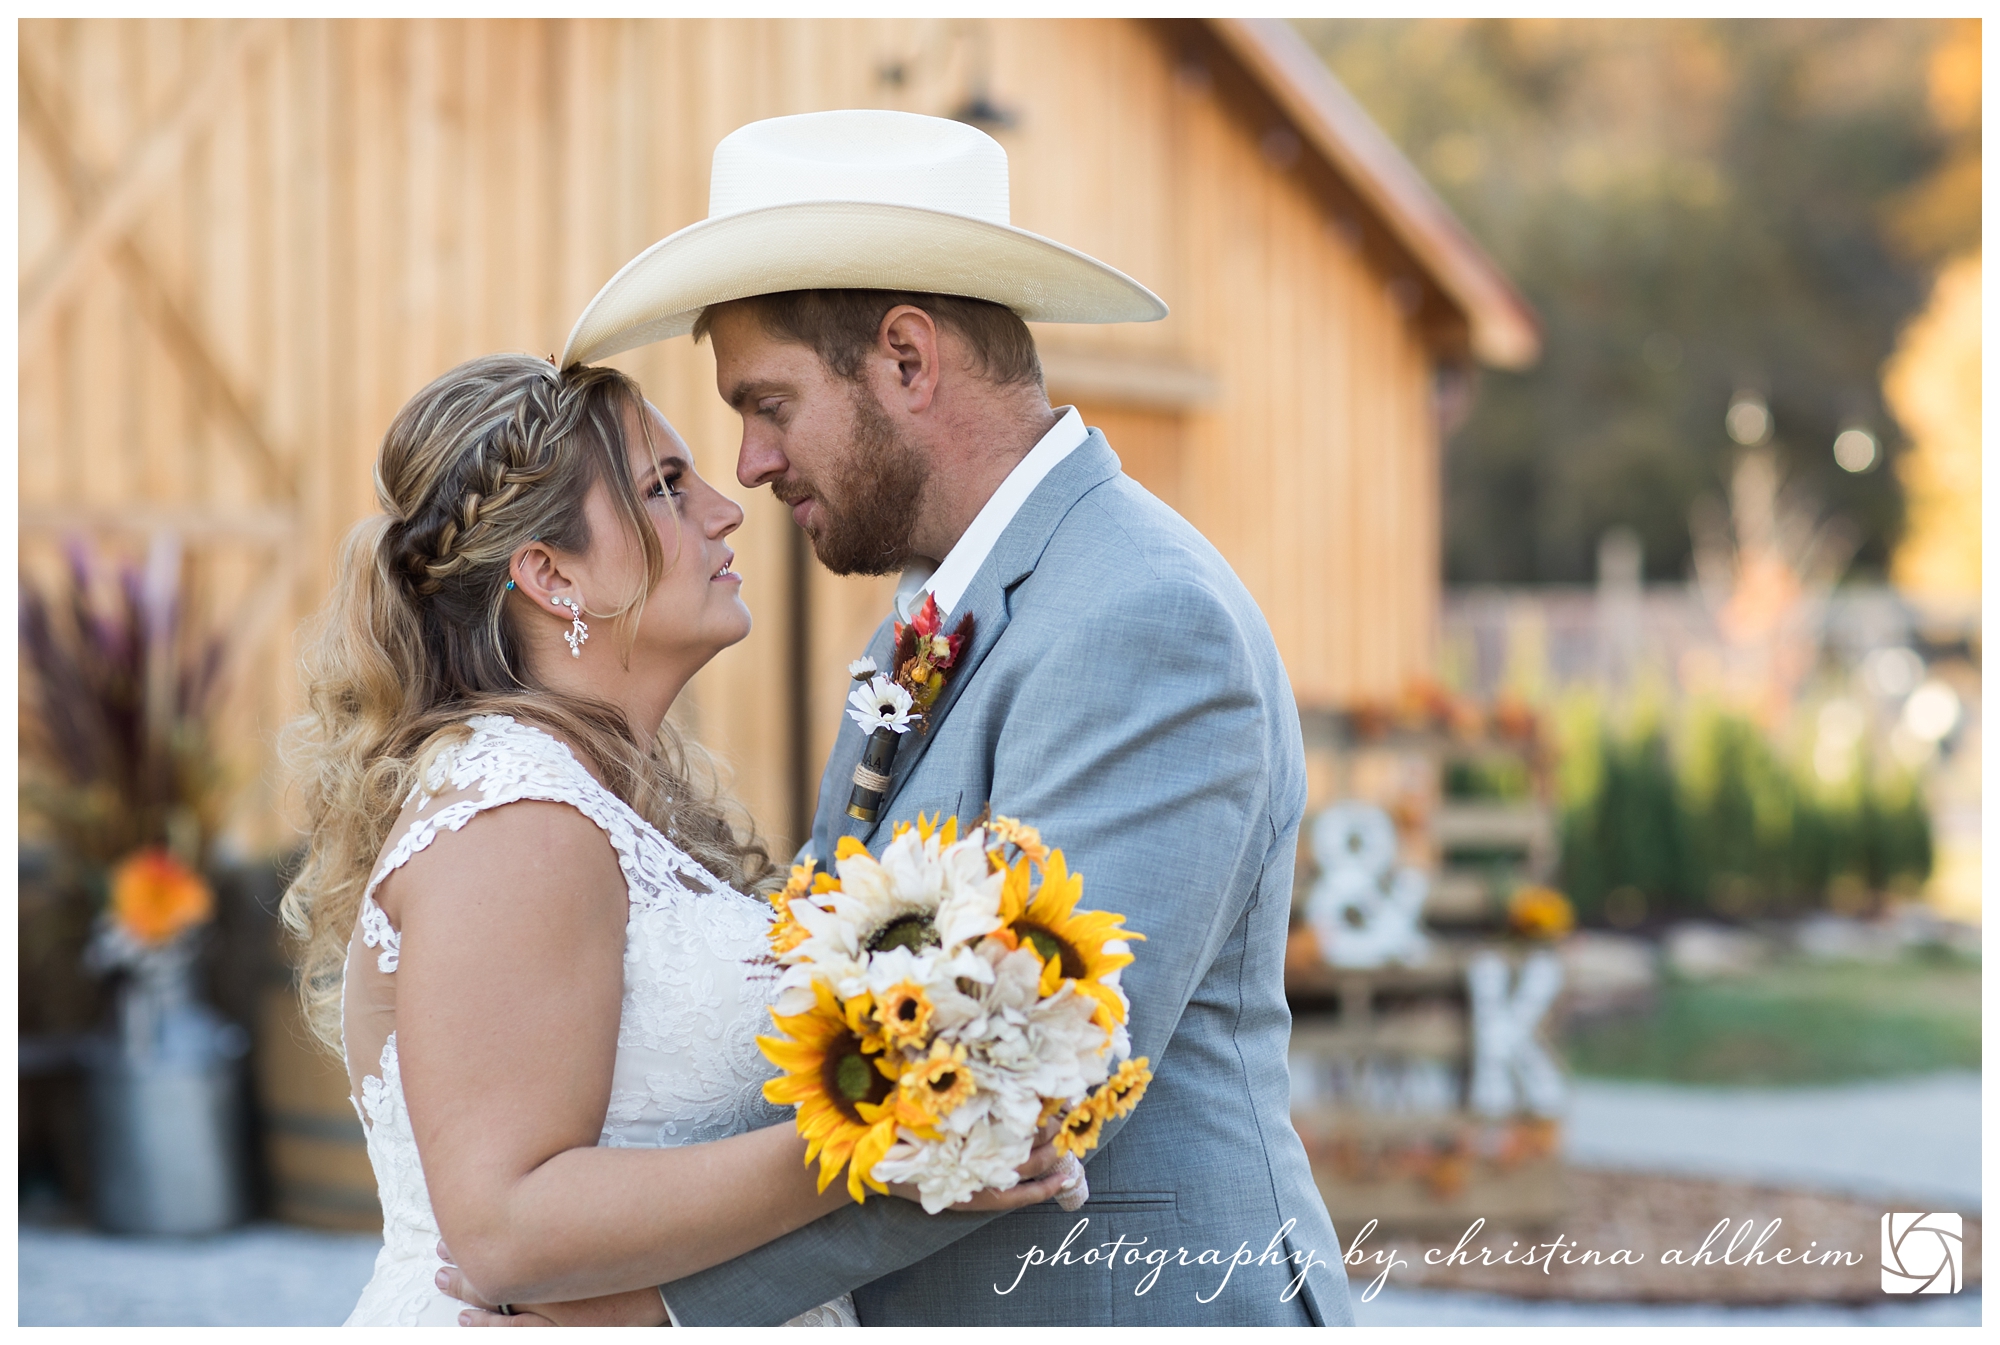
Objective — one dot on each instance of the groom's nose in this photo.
(759, 461)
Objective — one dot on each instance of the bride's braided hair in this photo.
(414, 639)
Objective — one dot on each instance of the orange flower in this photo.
(786, 932)
(155, 897)
(1540, 913)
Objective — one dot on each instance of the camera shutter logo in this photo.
(1923, 1253)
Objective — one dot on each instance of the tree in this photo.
(1698, 209)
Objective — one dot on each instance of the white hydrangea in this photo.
(956, 1166)
(999, 1003)
(1057, 1051)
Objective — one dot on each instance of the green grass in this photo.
(1795, 1022)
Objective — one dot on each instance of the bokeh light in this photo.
(1749, 420)
(1854, 450)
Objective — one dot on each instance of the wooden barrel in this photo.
(313, 1144)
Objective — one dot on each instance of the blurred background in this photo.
(1593, 408)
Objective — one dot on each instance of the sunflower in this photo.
(1073, 944)
(1080, 1129)
(887, 917)
(858, 1012)
(937, 1084)
(841, 1089)
(904, 1012)
(927, 827)
(1122, 1091)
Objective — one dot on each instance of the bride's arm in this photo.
(508, 994)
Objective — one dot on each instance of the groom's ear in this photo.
(909, 337)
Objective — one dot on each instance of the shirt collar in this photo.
(948, 578)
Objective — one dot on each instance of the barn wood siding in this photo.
(363, 204)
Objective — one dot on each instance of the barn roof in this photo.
(1503, 329)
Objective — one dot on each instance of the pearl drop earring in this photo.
(577, 632)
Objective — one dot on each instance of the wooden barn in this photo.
(244, 243)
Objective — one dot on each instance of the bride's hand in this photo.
(1046, 1175)
(640, 1307)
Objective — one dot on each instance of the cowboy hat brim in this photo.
(848, 245)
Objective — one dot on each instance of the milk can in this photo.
(166, 1106)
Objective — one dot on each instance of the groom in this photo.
(1121, 692)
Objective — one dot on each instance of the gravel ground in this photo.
(1893, 1139)
(1424, 1307)
(263, 1275)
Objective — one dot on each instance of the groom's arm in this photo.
(1137, 746)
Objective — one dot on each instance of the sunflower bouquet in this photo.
(939, 1005)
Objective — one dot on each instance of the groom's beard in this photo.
(869, 504)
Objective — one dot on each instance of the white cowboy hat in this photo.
(853, 200)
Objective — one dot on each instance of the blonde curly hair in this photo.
(414, 641)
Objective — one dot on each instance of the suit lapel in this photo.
(1012, 560)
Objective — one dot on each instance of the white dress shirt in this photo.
(949, 577)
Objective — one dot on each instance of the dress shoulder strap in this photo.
(504, 761)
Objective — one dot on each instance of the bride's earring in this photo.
(577, 632)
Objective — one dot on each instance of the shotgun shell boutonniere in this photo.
(886, 706)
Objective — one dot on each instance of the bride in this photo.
(532, 932)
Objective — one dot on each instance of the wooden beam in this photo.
(115, 203)
(184, 341)
(1119, 378)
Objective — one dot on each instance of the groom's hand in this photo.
(639, 1307)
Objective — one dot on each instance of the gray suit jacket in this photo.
(1122, 693)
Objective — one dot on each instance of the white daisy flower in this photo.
(880, 704)
(862, 668)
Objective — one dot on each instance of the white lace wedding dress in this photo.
(687, 1069)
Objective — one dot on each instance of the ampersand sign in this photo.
(1364, 908)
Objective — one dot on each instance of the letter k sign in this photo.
(1509, 1067)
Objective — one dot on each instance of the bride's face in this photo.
(696, 609)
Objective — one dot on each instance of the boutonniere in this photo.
(888, 705)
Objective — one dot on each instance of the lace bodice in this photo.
(687, 1067)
